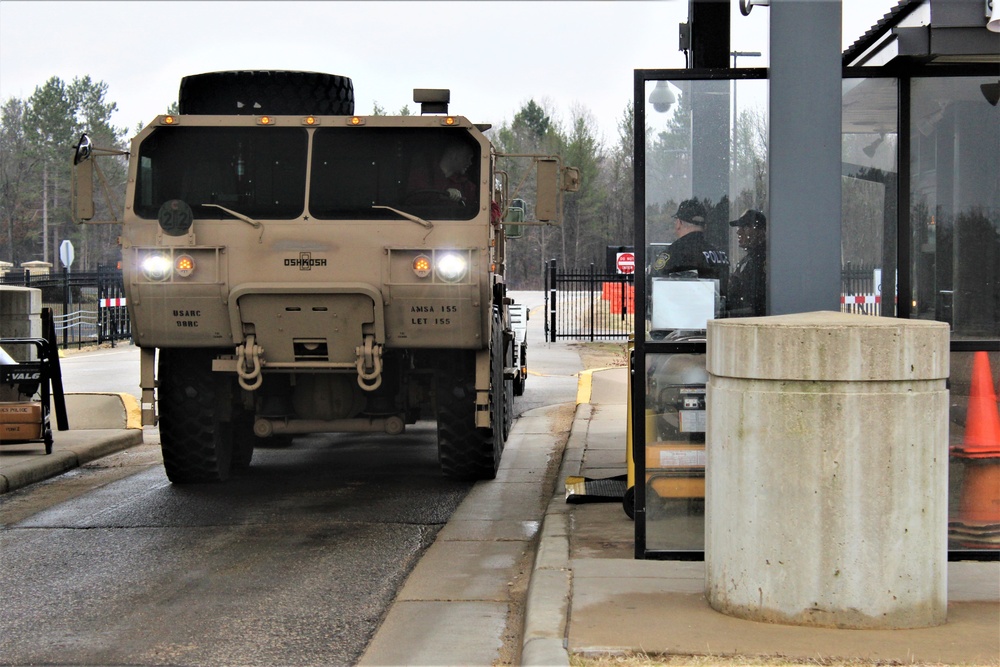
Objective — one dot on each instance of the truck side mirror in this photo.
(547, 191)
(83, 149)
(571, 179)
(515, 215)
(83, 181)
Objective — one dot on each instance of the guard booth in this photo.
(920, 153)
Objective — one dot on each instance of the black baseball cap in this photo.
(750, 218)
(691, 210)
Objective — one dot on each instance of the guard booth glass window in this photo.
(701, 233)
(955, 205)
(954, 247)
(869, 183)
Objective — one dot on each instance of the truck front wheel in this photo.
(195, 429)
(464, 451)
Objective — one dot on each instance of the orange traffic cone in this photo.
(982, 425)
(978, 523)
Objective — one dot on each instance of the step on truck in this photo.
(291, 267)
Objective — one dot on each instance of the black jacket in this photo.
(692, 252)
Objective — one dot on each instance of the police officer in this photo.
(691, 251)
(747, 285)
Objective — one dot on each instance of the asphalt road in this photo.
(294, 562)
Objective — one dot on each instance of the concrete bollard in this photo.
(20, 312)
(827, 470)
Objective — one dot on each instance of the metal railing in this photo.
(77, 327)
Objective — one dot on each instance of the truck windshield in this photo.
(258, 171)
(428, 172)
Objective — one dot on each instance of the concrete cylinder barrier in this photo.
(827, 470)
(20, 312)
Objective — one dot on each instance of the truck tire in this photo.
(466, 452)
(258, 92)
(195, 434)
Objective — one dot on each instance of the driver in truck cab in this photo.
(449, 176)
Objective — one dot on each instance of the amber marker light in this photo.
(355, 120)
(184, 265)
(310, 120)
(169, 120)
(265, 120)
(422, 266)
(449, 120)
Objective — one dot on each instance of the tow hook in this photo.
(248, 364)
(369, 364)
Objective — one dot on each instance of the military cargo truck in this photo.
(291, 267)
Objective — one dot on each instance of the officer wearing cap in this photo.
(748, 284)
(691, 251)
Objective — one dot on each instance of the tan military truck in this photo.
(291, 267)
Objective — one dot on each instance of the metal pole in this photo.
(552, 301)
(102, 293)
(67, 300)
(592, 307)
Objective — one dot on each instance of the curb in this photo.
(547, 605)
(101, 423)
(83, 447)
(102, 410)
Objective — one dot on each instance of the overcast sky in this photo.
(494, 56)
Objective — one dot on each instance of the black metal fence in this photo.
(587, 304)
(87, 307)
(591, 305)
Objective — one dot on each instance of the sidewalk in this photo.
(100, 424)
(589, 595)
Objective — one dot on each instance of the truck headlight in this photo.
(156, 267)
(451, 267)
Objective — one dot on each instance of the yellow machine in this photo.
(675, 428)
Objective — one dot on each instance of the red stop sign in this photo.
(625, 262)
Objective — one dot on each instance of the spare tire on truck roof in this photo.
(257, 92)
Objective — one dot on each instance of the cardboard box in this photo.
(21, 412)
(20, 421)
(14, 432)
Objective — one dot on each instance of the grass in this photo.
(602, 354)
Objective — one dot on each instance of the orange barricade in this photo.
(978, 524)
(615, 298)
